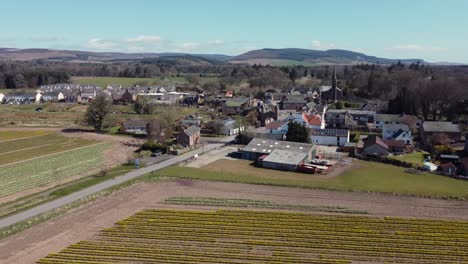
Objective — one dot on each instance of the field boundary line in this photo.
(61, 152)
(13, 139)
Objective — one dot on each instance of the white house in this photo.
(2, 97)
(329, 136)
(399, 132)
(52, 97)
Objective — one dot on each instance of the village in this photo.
(333, 129)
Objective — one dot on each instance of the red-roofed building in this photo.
(395, 145)
(309, 120)
(374, 145)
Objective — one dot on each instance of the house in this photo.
(277, 127)
(52, 97)
(126, 97)
(398, 132)
(331, 93)
(412, 121)
(395, 146)
(235, 106)
(2, 98)
(70, 96)
(329, 136)
(433, 129)
(339, 118)
(293, 102)
(227, 127)
(373, 145)
(22, 98)
(362, 117)
(87, 94)
(287, 160)
(135, 126)
(448, 169)
(259, 147)
(308, 120)
(191, 120)
(190, 137)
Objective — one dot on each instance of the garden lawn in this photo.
(415, 158)
(364, 177)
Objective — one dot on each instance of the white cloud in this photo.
(189, 46)
(97, 43)
(331, 45)
(145, 39)
(415, 47)
(216, 42)
(316, 44)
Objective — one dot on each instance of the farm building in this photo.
(135, 126)
(259, 147)
(432, 129)
(284, 160)
(329, 136)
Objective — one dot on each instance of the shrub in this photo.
(153, 146)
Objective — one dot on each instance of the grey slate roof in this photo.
(440, 126)
(191, 130)
(267, 146)
(285, 157)
(396, 127)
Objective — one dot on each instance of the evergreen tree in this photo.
(97, 112)
(297, 133)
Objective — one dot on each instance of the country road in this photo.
(13, 219)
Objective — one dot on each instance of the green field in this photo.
(365, 177)
(38, 160)
(10, 135)
(40, 171)
(233, 236)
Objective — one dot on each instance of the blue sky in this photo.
(428, 29)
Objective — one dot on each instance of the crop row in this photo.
(172, 236)
(37, 172)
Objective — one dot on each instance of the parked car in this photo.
(156, 153)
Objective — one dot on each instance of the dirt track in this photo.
(32, 244)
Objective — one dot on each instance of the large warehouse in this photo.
(285, 152)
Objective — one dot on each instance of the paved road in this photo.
(109, 183)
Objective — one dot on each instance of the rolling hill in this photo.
(275, 57)
(311, 57)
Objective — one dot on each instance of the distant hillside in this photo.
(87, 56)
(311, 57)
(275, 57)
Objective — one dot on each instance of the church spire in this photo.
(334, 88)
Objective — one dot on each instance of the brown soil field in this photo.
(85, 222)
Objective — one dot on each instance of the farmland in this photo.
(37, 158)
(363, 177)
(227, 236)
(31, 147)
(43, 170)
